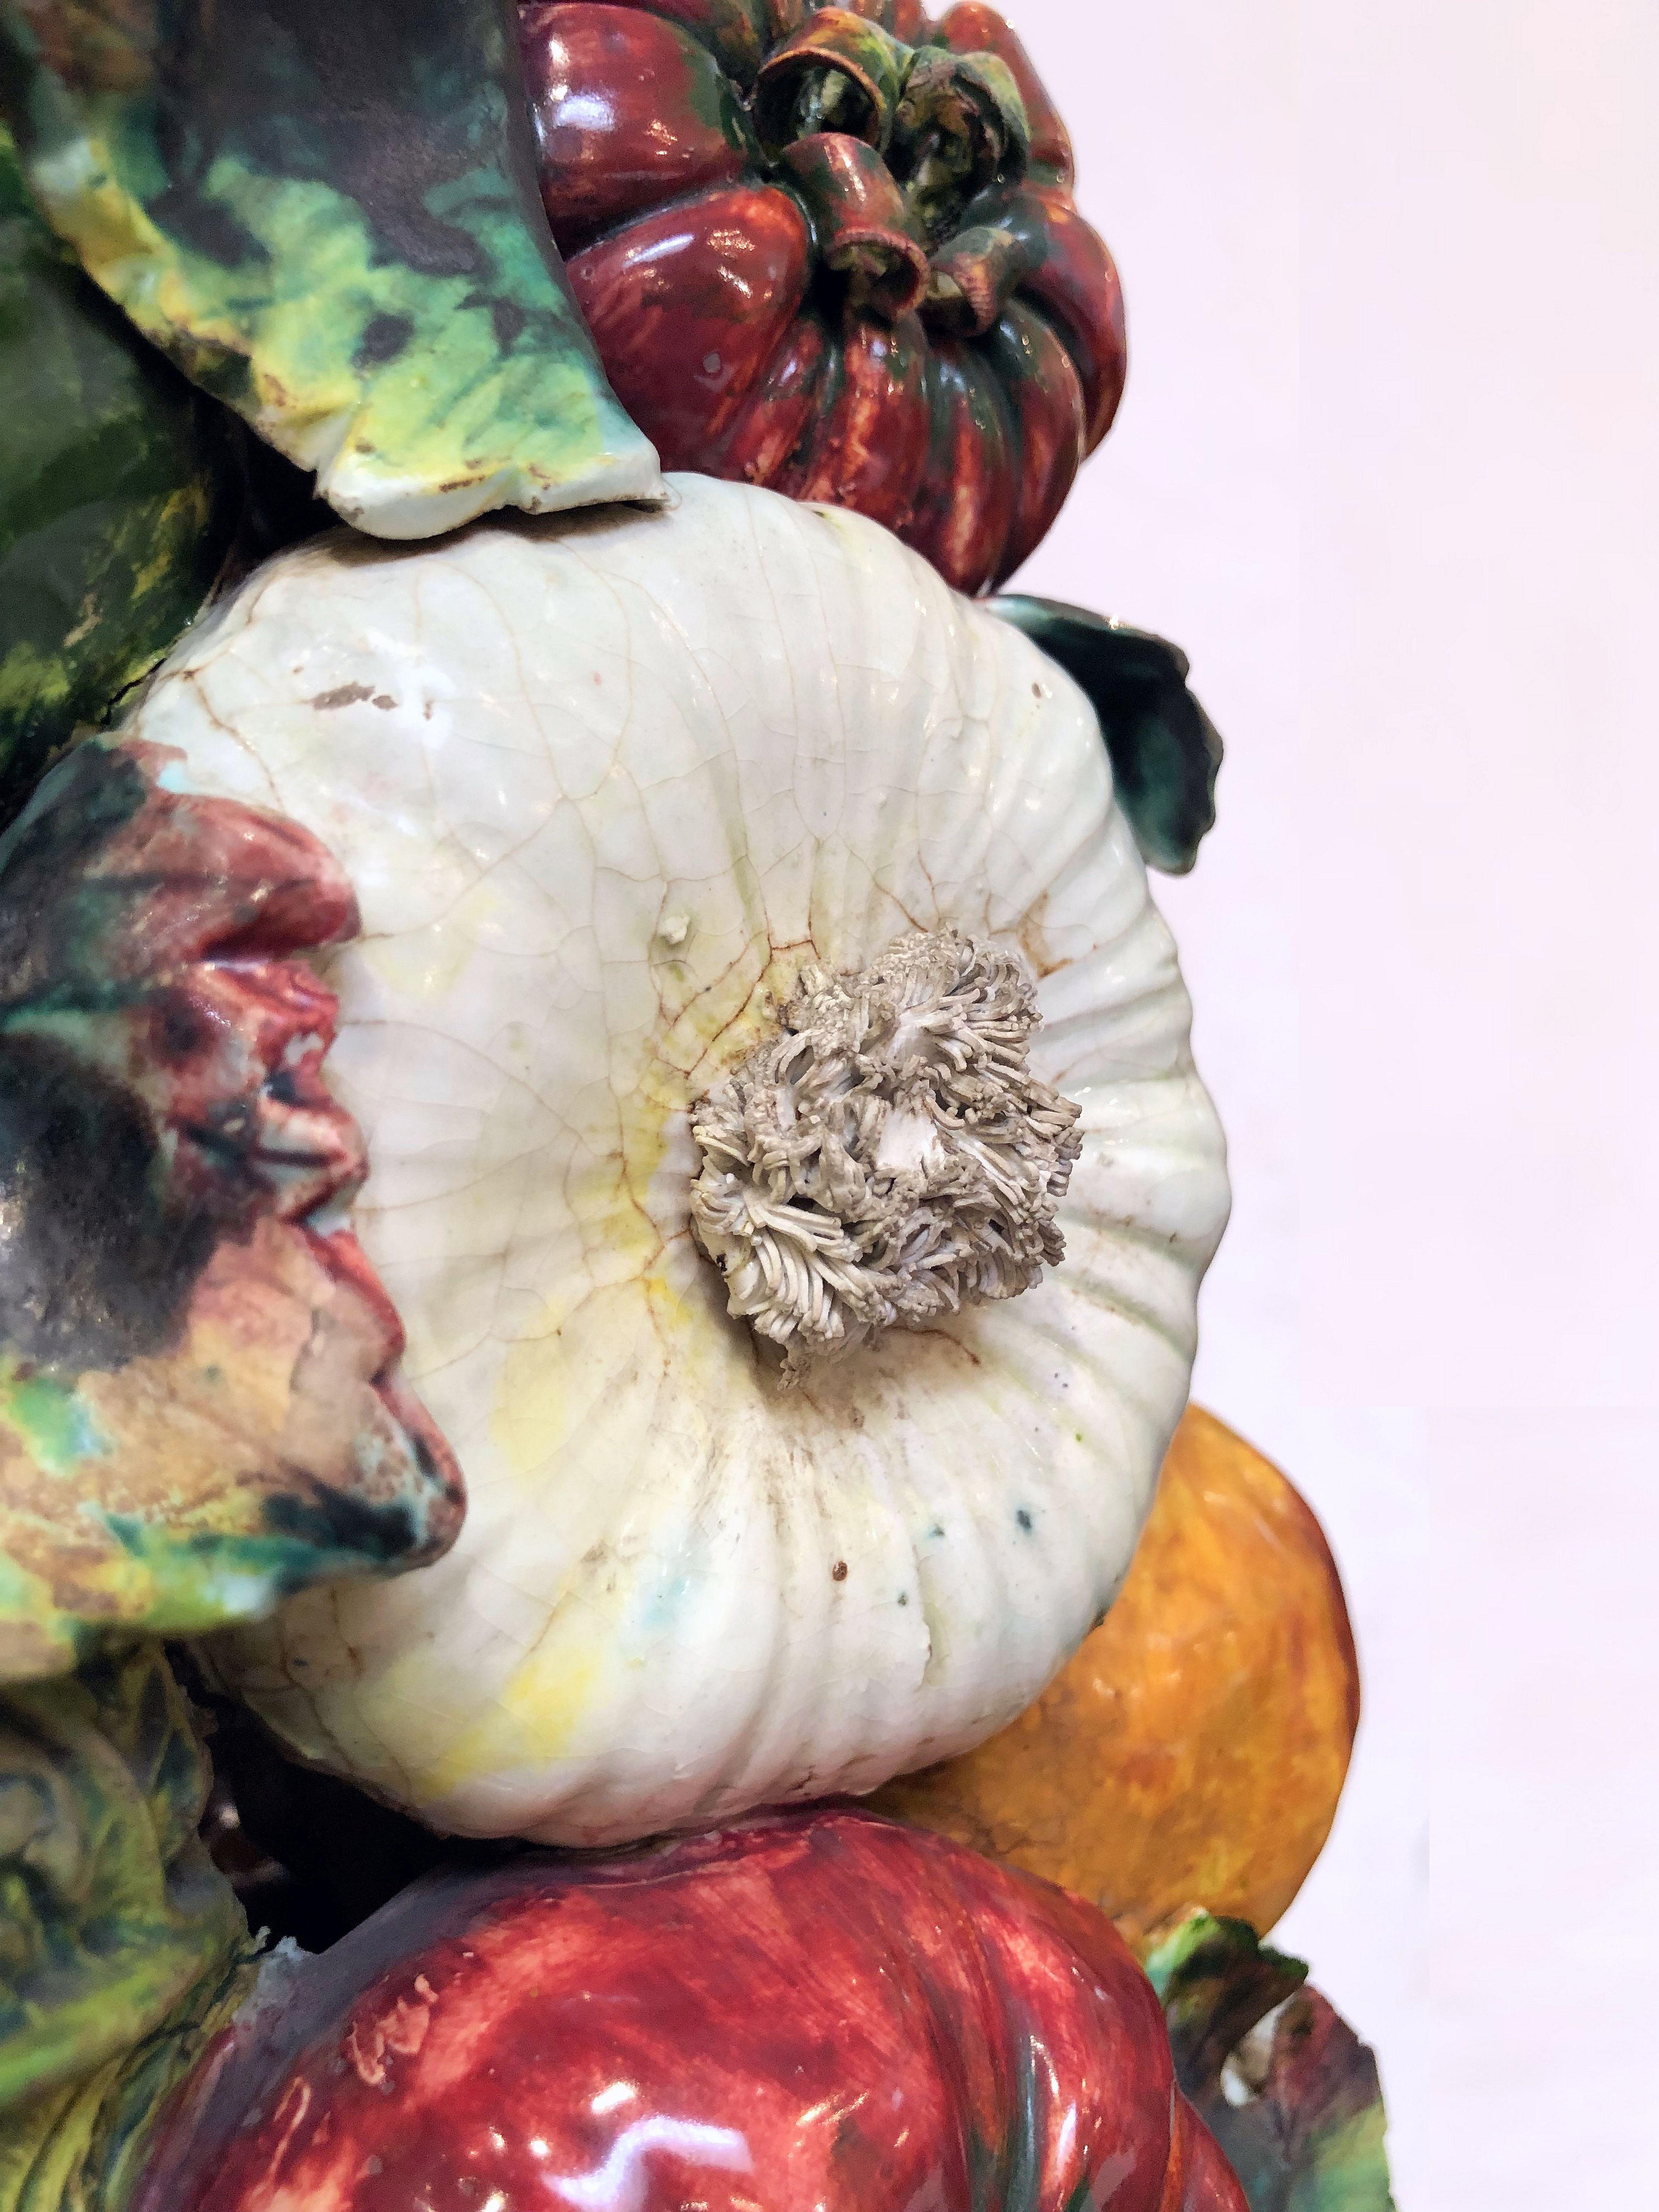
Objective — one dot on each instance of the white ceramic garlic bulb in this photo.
(606, 786)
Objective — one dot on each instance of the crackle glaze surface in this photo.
(1193, 1751)
(601, 788)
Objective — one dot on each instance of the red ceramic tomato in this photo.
(817, 2012)
(834, 250)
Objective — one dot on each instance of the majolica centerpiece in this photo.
(602, 1183)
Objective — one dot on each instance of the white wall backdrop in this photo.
(1389, 468)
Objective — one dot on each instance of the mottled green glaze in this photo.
(118, 1937)
(118, 494)
(1165, 750)
(82, 2148)
(327, 215)
(1285, 2086)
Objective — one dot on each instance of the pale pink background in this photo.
(1389, 469)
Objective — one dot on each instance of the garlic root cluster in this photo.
(889, 1157)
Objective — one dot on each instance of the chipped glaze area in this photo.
(820, 2010)
(603, 787)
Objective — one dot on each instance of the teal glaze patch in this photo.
(1165, 751)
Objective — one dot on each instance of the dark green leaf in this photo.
(111, 1911)
(1165, 750)
(119, 495)
(1284, 2085)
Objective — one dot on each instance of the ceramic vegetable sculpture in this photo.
(1193, 1752)
(834, 250)
(819, 2009)
(602, 1186)
(755, 970)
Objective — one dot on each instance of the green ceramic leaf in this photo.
(122, 1947)
(1285, 2086)
(118, 494)
(327, 215)
(1165, 750)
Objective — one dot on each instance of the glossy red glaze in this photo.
(965, 504)
(712, 285)
(772, 425)
(876, 339)
(1044, 391)
(861, 227)
(630, 111)
(869, 447)
(1074, 285)
(818, 2012)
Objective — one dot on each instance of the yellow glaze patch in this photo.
(538, 1711)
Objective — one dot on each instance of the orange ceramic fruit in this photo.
(1193, 1751)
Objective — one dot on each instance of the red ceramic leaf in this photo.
(201, 1404)
(835, 251)
(819, 2009)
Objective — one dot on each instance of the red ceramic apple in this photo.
(817, 2012)
(834, 250)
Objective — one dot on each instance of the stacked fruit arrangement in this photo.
(602, 1186)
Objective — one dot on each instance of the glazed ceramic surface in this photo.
(118, 496)
(835, 252)
(327, 215)
(1193, 1751)
(1289, 2091)
(817, 2010)
(122, 1949)
(602, 789)
(1166, 752)
(200, 1403)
